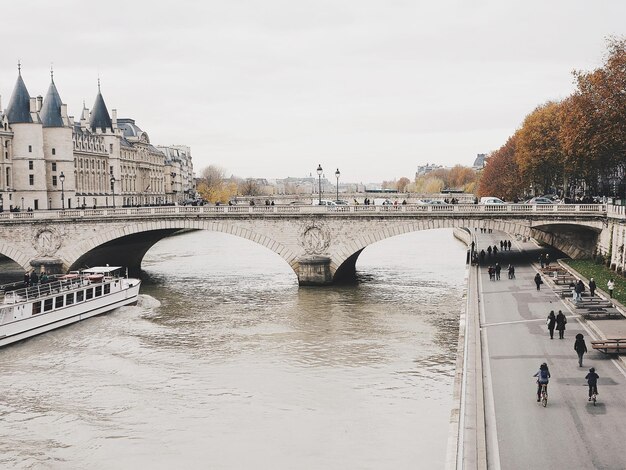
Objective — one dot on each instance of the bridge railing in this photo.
(590, 209)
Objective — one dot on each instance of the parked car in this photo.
(540, 200)
(491, 200)
(341, 202)
(324, 202)
(436, 202)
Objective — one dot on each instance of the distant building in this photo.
(425, 169)
(480, 161)
(49, 161)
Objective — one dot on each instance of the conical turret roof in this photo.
(100, 118)
(19, 104)
(51, 109)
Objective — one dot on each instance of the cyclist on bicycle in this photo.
(543, 377)
(592, 380)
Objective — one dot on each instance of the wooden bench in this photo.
(599, 311)
(610, 346)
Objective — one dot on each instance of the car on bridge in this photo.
(491, 200)
(324, 202)
(540, 200)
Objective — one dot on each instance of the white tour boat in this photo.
(66, 299)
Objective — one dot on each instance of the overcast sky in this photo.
(271, 88)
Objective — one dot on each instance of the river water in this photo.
(226, 363)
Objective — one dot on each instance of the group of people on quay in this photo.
(494, 272)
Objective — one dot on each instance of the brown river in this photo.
(226, 363)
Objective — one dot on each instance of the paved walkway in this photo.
(570, 432)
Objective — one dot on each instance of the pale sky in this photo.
(271, 88)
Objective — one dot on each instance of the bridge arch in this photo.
(19, 257)
(127, 245)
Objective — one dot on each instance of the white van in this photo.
(491, 200)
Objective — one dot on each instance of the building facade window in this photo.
(31, 179)
(54, 166)
(54, 180)
(54, 151)
(30, 164)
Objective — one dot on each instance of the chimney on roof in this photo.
(33, 105)
(39, 103)
(114, 118)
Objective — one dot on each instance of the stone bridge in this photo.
(321, 244)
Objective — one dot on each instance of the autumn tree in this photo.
(212, 186)
(538, 149)
(501, 175)
(402, 184)
(601, 112)
(249, 187)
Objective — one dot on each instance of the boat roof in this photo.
(101, 269)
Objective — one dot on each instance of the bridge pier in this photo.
(49, 265)
(314, 271)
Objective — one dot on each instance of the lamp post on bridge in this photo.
(113, 188)
(62, 180)
(319, 177)
(337, 174)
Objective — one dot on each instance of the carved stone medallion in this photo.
(47, 241)
(315, 238)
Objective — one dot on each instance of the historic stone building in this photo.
(51, 161)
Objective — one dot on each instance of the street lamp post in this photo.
(319, 177)
(22, 203)
(113, 188)
(173, 175)
(62, 180)
(337, 174)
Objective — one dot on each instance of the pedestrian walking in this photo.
(580, 347)
(560, 324)
(610, 286)
(547, 259)
(578, 291)
(538, 281)
(592, 287)
(498, 269)
(491, 272)
(551, 322)
(489, 250)
(26, 279)
(482, 256)
(511, 271)
(542, 260)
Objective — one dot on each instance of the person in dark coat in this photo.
(580, 347)
(592, 287)
(498, 269)
(26, 279)
(560, 324)
(592, 381)
(551, 322)
(538, 281)
(578, 291)
(34, 278)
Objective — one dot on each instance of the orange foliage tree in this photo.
(501, 175)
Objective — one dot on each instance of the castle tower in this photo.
(58, 150)
(28, 171)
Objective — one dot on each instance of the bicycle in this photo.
(544, 395)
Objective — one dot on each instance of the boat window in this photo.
(98, 291)
(47, 305)
(69, 299)
(89, 294)
(36, 308)
(58, 301)
(80, 295)
(107, 289)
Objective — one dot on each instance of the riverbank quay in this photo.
(466, 437)
(514, 340)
